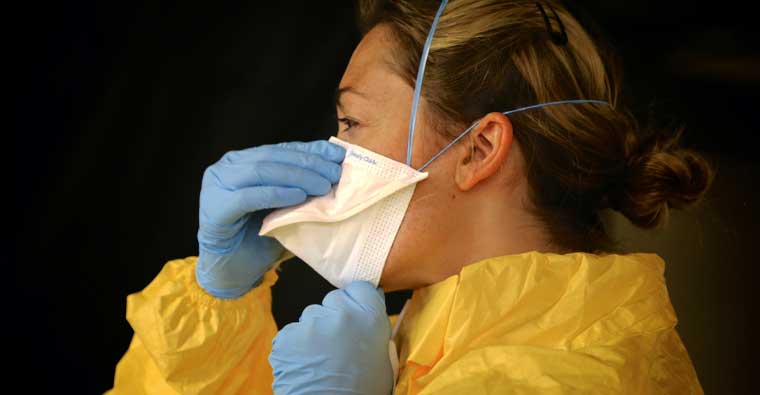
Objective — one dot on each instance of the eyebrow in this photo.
(346, 89)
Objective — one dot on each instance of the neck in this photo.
(493, 227)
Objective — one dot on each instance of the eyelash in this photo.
(348, 122)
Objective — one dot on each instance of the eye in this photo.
(348, 122)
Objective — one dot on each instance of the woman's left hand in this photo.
(339, 347)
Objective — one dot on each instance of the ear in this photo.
(487, 149)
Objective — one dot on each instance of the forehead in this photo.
(369, 69)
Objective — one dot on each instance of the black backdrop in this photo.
(122, 105)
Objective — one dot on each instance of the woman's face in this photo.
(373, 109)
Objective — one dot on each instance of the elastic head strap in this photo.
(532, 107)
(418, 83)
(418, 89)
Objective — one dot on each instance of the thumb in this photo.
(366, 295)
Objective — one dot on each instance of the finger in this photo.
(336, 300)
(283, 334)
(330, 170)
(248, 200)
(366, 295)
(277, 174)
(233, 177)
(314, 156)
(323, 148)
(312, 312)
(356, 295)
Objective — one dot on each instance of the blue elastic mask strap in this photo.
(418, 83)
(554, 103)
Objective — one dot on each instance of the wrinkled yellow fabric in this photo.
(546, 324)
(521, 324)
(189, 342)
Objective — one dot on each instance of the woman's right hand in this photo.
(238, 191)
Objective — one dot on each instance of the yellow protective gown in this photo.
(521, 324)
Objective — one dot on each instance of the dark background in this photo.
(121, 106)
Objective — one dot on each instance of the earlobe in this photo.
(488, 146)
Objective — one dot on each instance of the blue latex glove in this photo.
(238, 191)
(340, 347)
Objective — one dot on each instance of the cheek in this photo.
(417, 224)
(424, 225)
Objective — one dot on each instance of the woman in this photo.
(516, 286)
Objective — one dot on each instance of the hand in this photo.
(238, 191)
(340, 347)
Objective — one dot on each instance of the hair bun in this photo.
(661, 175)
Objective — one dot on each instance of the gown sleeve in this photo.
(186, 341)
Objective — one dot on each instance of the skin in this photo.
(473, 205)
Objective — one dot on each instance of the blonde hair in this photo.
(497, 55)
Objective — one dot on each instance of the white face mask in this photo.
(347, 234)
